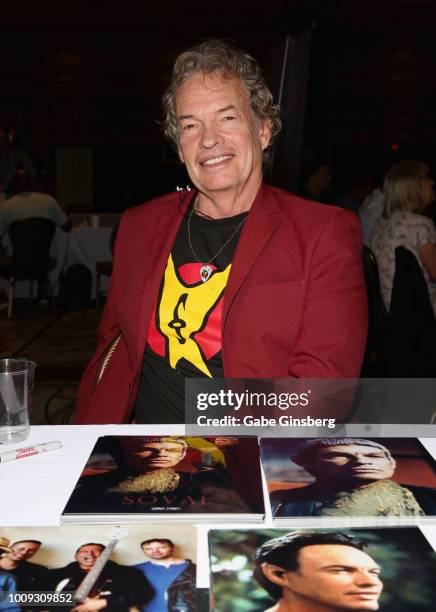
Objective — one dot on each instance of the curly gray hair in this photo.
(217, 55)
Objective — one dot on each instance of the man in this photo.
(233, 279)
(116, 587)
(151, 475)
(8, 588)
(318, 572)
(172, 578)
(25, 203)
(352, 478)
(8, 584)
(370, 211)
(11, 158)
(29, 576)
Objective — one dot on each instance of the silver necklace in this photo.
(206, 270)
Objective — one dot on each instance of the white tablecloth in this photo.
(34, 490)
(83, 245)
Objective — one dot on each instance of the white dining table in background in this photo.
(83, 245)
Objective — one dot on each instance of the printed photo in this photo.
(146, 568)
(169, 475)
(386, 478)
(272, 570)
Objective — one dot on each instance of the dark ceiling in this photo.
(93, 71)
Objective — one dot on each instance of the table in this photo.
(35, 490)
(104, 219)
(83, 245)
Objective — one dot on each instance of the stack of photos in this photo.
(146, 568)
(349, 481)
(169, 478)
(272, 570)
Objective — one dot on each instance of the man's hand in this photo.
(90, 604)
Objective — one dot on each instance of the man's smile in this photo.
(213, 161)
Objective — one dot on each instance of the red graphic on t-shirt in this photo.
(208, 338)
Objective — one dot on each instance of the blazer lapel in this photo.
(164, 235)
(261, 223)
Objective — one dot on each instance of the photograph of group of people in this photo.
(143, 568)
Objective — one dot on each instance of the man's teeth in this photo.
(216, 160)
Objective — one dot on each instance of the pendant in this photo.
(205, 272)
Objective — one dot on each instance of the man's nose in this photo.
(364, 578)
(210, 136)
(362, 459)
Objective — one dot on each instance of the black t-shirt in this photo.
(184, 338)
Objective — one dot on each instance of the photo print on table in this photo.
(169, 478)
(382, 480)
(267, 570)
(120, 568)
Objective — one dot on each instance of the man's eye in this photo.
(229, 117)
(187, 127)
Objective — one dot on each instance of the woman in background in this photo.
(408, 190)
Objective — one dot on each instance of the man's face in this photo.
(155, 455)
(23, 550)
(352, 463)
(335, 575)
(87, 555)
(219, 139)
(158, 550)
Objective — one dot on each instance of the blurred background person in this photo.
(408, 191)
(24, 203)
(315, 181)
(11, 158)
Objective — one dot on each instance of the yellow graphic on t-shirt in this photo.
(183, 312)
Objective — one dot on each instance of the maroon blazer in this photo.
(295, 302)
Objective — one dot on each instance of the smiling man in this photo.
(28, 575)
(352, 478)
(318, 572)
(113, 587)
(231, 279)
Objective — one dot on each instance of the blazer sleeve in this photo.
(334, 327)
(104, 398)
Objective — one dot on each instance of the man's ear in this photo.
(274, 573)
(179, 151)
(265, 133)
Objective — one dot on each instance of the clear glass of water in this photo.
(16, 384)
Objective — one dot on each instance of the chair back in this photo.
(411, 331)
(31, 239)
(376, 309)
(373, 364)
